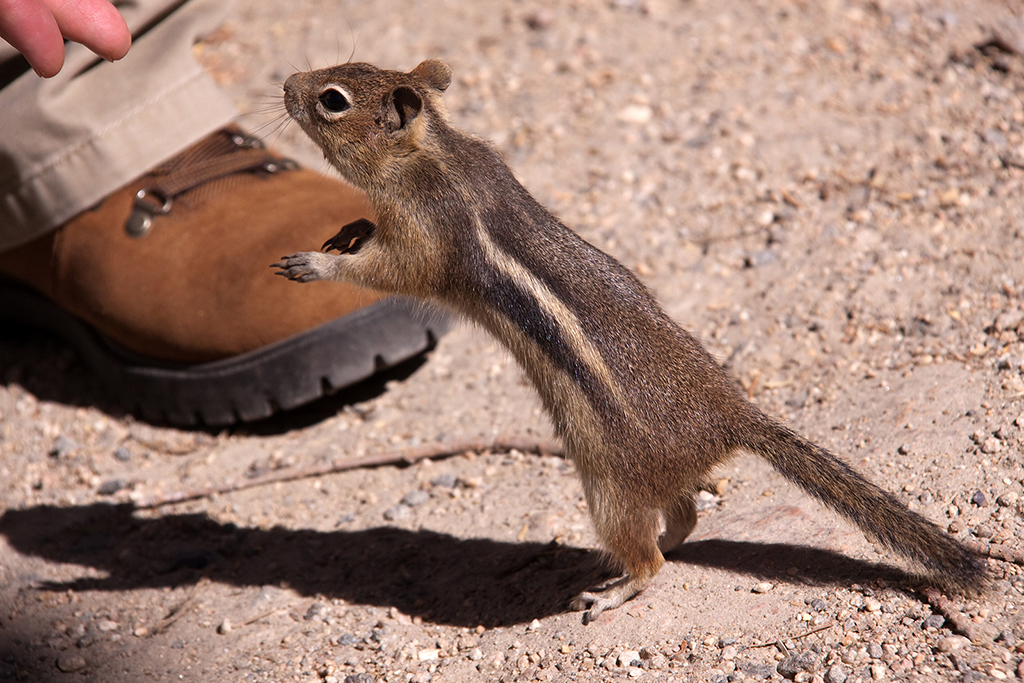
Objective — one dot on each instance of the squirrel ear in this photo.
(403, 106)
(435, 72)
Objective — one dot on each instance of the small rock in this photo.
(444, 481)
(647, 652)
(627, 658)
(818, 605)
(63, 445)
(540, 19)
(365, 677)
(878, 671)
(397, 512)
(991, 445)
(658, 662)
(224, 627)
(69, 662)
(123, 454)
(985, 531)
(934, 621)
(762, 587)
(414, 498)
(428, 654)
(1007, 500)
(316, 610)
(872, 605)
(979, 499)
(534, 625)
(106, 625)
(953, 643)
(476, 654)
(636, 113)
(794, 664)
(111, 486)
(1007, 638)
(1008, 320)
(835, 674)
(875, 650)
(729, 652)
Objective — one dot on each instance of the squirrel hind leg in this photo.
(632, 541)
(680, 520)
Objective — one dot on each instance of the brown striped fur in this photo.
(643, 410)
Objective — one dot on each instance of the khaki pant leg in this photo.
(69, 141)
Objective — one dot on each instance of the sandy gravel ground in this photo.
(829, 194)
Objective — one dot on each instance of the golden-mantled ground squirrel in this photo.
(643, 410)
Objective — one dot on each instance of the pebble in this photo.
(414, 498)
(123, 454)
(63, 445)
(835, 674)
(872, 605)
(1007, 499)
(396, 512)
(875, 650)
(428, 654)
(729, 652)
(476, 654)
(111, 486)
(445, 481)
(224, 627)
(878, 671)
(106, 625)
(979, 499)
(794, 664)
(762, 587)
(953, 643)
(818, 605)
(627, 658)
(69, 662)
(934, 621)
(991, 445)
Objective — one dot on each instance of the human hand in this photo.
(37, 28)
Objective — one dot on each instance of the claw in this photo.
(350, 238)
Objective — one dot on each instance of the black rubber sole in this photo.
(251, 386)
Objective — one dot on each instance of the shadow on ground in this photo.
(443, 579)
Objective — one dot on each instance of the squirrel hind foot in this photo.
(603, 598)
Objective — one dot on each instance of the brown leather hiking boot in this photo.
(165, 289)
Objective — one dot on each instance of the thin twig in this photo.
(780, 644)
(960, 623)
(999, 552)
(401, 456)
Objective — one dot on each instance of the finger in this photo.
(94, 23)
(29, 26)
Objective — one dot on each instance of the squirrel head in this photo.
(366, 120)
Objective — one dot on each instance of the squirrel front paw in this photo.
(306, 266)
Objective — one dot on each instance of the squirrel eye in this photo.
(334, 101)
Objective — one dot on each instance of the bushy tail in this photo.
(877, 512)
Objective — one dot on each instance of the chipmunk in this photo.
(642, 409)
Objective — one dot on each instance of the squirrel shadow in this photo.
(441, 578)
